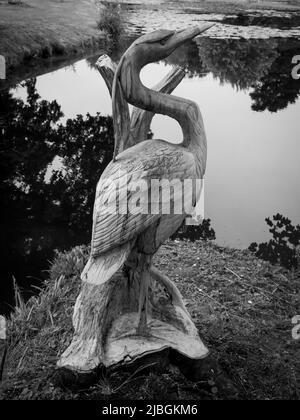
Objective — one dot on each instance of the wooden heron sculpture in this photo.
(114, 319)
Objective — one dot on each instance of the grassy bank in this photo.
(242, 306)
(42, 28)
(45, 28)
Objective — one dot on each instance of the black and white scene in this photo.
(150, 203)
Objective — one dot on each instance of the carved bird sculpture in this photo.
(127, 237)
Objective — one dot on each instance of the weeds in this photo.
(193, 233)
(111, 20)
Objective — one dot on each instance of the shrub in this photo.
(111, 19)
(195, 232)
(284, 245)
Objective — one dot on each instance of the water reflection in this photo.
(277, 89)
(50, 163)
(280, 21)
(239, 62)
(262, 65)
(41, 209)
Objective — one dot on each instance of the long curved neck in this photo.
(184, 111)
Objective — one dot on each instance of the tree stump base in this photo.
(125, 346)
(105, 322)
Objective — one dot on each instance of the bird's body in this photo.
(147, 161)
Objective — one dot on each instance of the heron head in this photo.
(160, 44)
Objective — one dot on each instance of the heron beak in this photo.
(181, 37)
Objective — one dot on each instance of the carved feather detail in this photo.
(149, 160)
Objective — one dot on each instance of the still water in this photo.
(56, 144)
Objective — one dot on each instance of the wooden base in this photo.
(124, 346)
(106, 319)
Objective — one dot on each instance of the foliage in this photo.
(31, 140)
(237, 61)
(283, 247)
(276, 89)
(264, 66)
(85, 147)
(111, 19)
(48, 174)
(195, 232)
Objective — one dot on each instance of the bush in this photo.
(195, 232)
(283, 247)
(111, 19)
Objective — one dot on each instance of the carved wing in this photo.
(124, 193)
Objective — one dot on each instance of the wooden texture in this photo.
(127, 309)
(140, 120)
(106, 319)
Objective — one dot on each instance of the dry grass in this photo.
(42, 28)
(241, 305)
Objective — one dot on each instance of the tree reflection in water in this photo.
(49, 171)
(277, 89)
(48, 175)
(261, 65)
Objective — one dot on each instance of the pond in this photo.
(57, 139)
